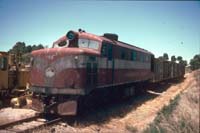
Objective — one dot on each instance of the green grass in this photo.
(167, 110)
(153, 128)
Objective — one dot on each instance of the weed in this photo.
(167, 110)
(131, 129)
(153, 128)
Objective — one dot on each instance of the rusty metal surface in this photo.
(67, 108)
(65, 67)
(37, 105)
(46, 90)
(51, 68)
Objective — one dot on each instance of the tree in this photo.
(184, 62)
(195, 62)
(160, 58)
(180, 58)
(29, 48)
(40, 46)
(19, 47)
(34, 47)
(173, 58)
(165, 56)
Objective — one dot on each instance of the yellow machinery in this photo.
(13, 77)
(4, 85)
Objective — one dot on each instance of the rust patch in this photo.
(37, 105)
(68, 108)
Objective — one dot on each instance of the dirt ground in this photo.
(132, 115)
(8, 115)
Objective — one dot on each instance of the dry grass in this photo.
(181, 115)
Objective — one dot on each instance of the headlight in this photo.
(70, 35)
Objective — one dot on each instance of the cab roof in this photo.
(82, 34)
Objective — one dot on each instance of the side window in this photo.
(123, 54)
(141, 57)
(144, 56)
(104, 50)
(109, 52)
(3, 63)
(133, 55)
(147, 58)
(138, 56)
(89, 70)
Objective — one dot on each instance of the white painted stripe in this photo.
(126, 64)
(80, 61)
(123, 64)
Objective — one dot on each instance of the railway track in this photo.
(29, 124)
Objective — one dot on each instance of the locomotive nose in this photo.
(57, 67)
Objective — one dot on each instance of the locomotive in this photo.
(80, 63)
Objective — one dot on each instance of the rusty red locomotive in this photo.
(80, 62)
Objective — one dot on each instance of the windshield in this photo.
(82, 43)
(86, 43)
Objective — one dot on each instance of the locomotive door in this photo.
(92, 72)
(107, 53)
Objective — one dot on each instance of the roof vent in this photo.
(111, 36)
(80, 30)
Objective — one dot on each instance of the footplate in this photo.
(64, 108)
(67, 108)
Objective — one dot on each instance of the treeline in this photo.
(194, 63)
(173, 59)
(21, 48)
(21, 52)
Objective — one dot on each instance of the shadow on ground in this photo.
(102, 112)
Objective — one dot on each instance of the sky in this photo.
(171, 27)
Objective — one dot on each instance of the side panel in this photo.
(158, 70)
(3, 71)
(23, 78)
(125, 71)
(172, 70)
(117, 66)
(166, 72)
(106, 63)
(4, 79)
